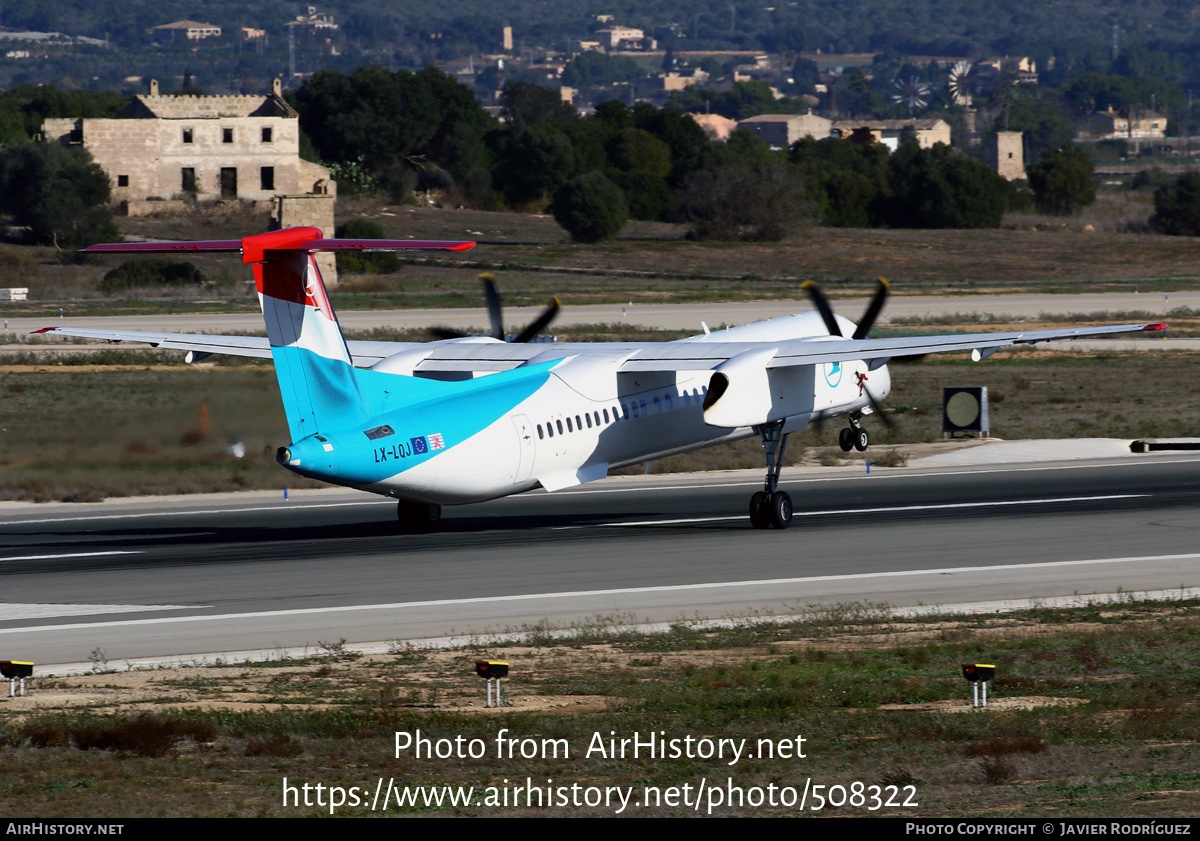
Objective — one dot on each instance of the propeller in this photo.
(874, 308)
(870, 315)
(496, 317)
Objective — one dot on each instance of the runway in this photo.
(663, 316)
(251, 572)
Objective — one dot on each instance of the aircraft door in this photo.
(525, 447)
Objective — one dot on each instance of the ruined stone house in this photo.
(164, 147)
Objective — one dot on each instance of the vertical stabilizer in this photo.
(316, 375)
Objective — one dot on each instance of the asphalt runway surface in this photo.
(251, 572)
(663, 316)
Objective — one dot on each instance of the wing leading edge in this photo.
(646, 356)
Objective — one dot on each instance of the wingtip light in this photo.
(1162, 325)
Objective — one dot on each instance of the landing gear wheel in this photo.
(846, 439)
(861, 439)
(781, 510)
(760, 510)
(418, 516)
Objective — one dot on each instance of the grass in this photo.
(869, 693)
(652, 262)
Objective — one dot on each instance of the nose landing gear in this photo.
(854, 436)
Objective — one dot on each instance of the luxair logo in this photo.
(833, 373)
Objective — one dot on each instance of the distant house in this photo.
(314, 20)
(189, 30)
(624, 38)
(163, 147)
(782, 130)
(1110, 125)
(888, 132)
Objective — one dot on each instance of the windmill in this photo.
(911, 92)
(959, 87)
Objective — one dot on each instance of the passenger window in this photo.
(596, 415)
(569, 429)
(657, 406)
(540, 435)
(667, 398)
(559, 424)
(589, 421)
(643, 405)
(606, 415)
(635, 409)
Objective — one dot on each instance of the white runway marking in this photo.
(69, 555)
(13, 612)
(884, 510)
(667, 588)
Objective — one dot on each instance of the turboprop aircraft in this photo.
(467, 419)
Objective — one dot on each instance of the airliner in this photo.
(471, 418)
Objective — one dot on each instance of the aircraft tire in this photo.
(846, 439)
(760, 510)
(861, 440)
(780, 510)
(418, 516)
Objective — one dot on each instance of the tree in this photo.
(942, 188)
(590, 207)
(1062, 180)
(533, 164)
(759, 201)
(59, 193)
(1177, 207)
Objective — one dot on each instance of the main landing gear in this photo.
(853, 437)
(772, 507)
(418, 516)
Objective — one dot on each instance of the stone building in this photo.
(782, 130)
(164, 147)
(1006, 154)
(888, 132)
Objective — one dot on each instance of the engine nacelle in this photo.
(743, 391)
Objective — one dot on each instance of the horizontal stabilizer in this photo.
(236, 246)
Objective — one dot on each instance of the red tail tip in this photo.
(1162, 325)
(462, 246)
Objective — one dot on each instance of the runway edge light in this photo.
(16, 670)
(979, 675)
(493, 670)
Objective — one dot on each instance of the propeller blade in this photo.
(540, 323)
(443, 333)
(495, 314)
(822, 304)
(873, 310)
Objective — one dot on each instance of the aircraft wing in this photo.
(813, 351)
(489, 356)
(365, 354)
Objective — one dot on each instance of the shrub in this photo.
(374, 262)
(1062, 180)
(1177, 207)
(149, 272)
(591, 208)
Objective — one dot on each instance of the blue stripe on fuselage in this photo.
(414, 408)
